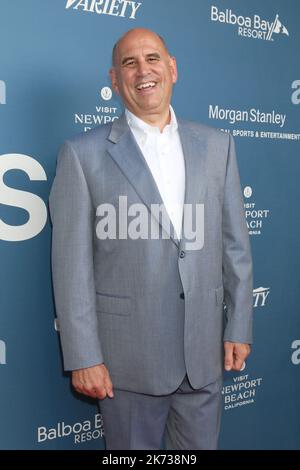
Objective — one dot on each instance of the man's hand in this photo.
(235, 355)
(93, 381)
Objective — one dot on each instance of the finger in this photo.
(100, 392)
(90, 393)
(238, 363)
(84, 391)
(78, 386)
(228, 360)
(109, 387)
(86, 388)
(247, 352)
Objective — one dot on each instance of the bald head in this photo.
(143, 75)
(136, 33)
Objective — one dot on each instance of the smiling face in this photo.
(143, 75)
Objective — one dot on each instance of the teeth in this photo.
(143, 86)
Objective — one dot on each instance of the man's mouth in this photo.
(145, 86)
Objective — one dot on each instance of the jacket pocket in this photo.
(112, 304)
(219, 295)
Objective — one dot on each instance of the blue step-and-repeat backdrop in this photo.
(238, 71)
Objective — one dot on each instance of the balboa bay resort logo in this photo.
(295, 358)
(249, 27)
(103, 113)
(254, 216)
(2, 92)
(295, 95)
(240, 392)
(260, 296)
(80, 432)
(2, 352)
(121, 8)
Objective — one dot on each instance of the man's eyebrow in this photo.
(151, 54)
(126, 59)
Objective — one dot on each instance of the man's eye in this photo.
(130, 63)
(153, 59)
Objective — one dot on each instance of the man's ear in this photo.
(114, 81)
(173, 67)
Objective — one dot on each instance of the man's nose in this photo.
(143, 68)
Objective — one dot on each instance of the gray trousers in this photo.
(187, 419)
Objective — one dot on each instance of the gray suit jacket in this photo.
(150, 309)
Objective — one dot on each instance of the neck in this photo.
(157, 120)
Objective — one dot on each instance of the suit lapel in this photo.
(128, 156)
(195, 156)
(126, 153)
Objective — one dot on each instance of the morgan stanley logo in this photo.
(2, 92)
(250, 27)
(2, 352)
(121, 8)
(114, 223)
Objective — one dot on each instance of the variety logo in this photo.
(121, 8)
(296, 94)
(2, 92)
(296, 354)
(80, 431)
(31, 203)
(2, 352)
(254, 217)
(260, 296)
(249, 27)
(241, 392)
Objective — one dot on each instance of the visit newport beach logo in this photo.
(255, 215)
(253, 27)
(102, 114)
(121, 8)
(241, 390)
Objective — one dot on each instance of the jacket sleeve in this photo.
(72, 217)
(237, 261)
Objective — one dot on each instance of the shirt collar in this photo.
(142, 127)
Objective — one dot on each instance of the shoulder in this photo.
(89, 139)
(86, 147)
(203, 131)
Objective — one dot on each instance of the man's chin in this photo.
(150, 107)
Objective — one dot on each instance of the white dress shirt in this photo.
(164, 156)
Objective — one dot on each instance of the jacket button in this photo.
(182, 254)
(182, 295)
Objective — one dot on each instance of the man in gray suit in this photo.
(142, 322)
